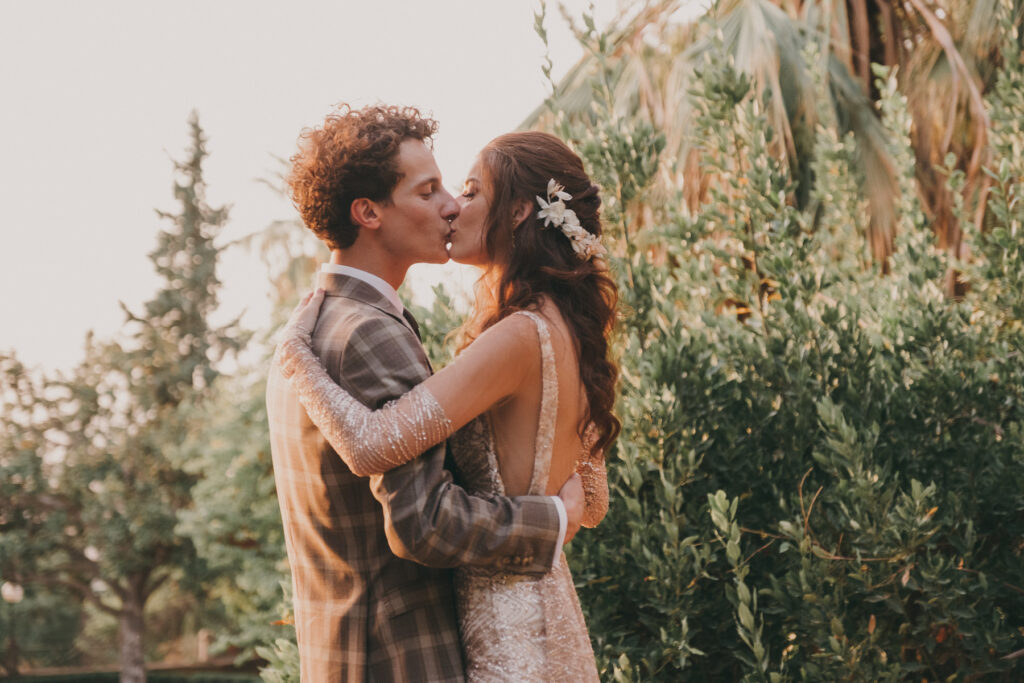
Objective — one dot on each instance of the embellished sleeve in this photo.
(369, 441)
(594, 478)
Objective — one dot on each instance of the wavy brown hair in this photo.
(354, 154)
(530, 261)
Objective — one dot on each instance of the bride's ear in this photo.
(523, 210)
(365, 213)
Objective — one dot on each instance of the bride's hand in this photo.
(303, 318)
(296, 332)
(571, 494)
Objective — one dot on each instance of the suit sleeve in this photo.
(428, 518)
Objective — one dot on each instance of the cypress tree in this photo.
(104, 495)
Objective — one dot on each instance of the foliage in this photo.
(235, 522)
(40, 628)
(90, 465)
(945, 57)
(820, 471)
(282, 661)
(282, 652)
(437, 325)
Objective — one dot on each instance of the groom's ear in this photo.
(365, 213)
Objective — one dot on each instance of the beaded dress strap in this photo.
(548, 408)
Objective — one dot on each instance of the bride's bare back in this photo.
(515, 419)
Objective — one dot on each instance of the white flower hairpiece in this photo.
(554, 212)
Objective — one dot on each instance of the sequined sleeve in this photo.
(594, 478)
(369, 441)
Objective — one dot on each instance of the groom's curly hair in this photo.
(354, 154)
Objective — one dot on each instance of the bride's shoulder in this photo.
(516, 327)
(546, 314)
(542, 316)
(513, 339)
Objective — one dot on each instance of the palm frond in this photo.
(574, 92)
(944, 63)
(856, 114)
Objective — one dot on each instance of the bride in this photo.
(534, 366)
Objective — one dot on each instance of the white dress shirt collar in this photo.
(369, 278)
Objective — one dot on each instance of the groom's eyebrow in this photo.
(432, 180)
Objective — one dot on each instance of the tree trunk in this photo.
(133, 661)
(11, 656)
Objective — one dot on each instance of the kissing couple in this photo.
(424, 514)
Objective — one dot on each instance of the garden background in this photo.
(815, 215)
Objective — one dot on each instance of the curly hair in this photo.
(354, 154)
(531, 261)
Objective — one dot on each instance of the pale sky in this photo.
(96, 96)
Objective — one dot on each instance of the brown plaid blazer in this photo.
(373, 599)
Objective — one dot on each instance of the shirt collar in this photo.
(369, 278)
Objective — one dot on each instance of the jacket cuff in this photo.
(563, 524)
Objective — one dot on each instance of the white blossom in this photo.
(554, 213)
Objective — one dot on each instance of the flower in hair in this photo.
(554, 213)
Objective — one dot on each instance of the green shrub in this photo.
(821, 470)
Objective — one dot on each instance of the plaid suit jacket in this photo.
(370, 557)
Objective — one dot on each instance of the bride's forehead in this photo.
(476, 169)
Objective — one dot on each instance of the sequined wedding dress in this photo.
(514, 627)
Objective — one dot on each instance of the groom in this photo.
(370, 557)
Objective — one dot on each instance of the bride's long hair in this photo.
(529, 261)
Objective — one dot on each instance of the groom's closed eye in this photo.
(428, 187)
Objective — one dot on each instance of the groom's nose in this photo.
(449, 208)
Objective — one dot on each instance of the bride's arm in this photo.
(374, 441)
(369, 441)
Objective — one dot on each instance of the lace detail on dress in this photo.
(548, 408)
(472, 449)
(595, 479)
(515, 627)
(369, 441)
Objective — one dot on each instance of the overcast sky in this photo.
(96, 96)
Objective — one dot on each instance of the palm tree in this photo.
(945, 54)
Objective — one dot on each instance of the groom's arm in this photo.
(428, 518)
(431, 520)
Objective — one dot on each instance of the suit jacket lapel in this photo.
(357, 290)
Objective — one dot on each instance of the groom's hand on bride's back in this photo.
(571, 494)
